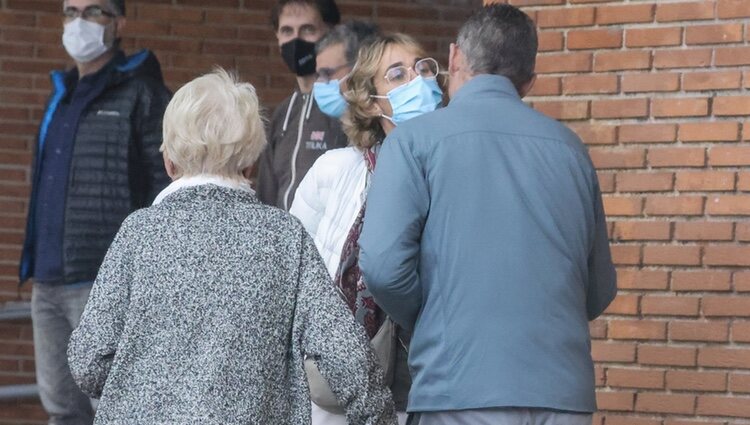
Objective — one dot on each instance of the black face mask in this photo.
(299, 56)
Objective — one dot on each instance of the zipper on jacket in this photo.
(302, 118)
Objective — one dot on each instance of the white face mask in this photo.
(84, 40)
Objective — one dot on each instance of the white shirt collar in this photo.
(199, 180)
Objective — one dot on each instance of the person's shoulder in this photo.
(279, 112)
(141, 70)
(335, 158)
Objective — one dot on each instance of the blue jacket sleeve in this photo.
(397, 206)
(602, 284)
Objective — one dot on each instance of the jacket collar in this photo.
(485, 85)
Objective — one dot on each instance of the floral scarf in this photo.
(349, 276)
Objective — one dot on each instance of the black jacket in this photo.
(115, 168)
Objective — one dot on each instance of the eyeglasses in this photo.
(427, 67)
(325, 75)
(90, 13)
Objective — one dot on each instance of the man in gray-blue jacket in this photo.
(485, 233)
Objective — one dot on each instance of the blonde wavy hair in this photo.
(360, 123)
(214, 125)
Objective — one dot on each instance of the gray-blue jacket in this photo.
(485, 232)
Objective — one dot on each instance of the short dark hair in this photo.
(327, 9)
(352, 35)
(500, 39)
(119, 6)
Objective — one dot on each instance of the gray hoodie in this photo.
(298, 134)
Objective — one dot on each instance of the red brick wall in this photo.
(189, 37)
(659, 91)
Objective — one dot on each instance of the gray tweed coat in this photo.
(203, 311)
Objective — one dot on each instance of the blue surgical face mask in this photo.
(329, 98)
(417, 97)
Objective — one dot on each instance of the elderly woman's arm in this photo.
(93, 343)
(328, 332)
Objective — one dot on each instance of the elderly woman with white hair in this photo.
(208, 302)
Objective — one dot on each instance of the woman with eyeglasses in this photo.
(391, 82)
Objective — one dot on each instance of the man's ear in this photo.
(120, 24)
(452, 58)
(527, 86)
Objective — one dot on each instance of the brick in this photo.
(564, 110)
(619, 108)
(724, 357)
(624, 158)
(721, 80)
(740, 331)
(546, 86)
(575, 17)
(647, 133)
(645, 182)
(606, 181)
(564, 62)
(714, 34)
(723, 131)
(733, 9)
(674, 205)
(550, 41)
(727, 255)
(670, 12)
(589, 84)
(630, 420)
(637, 330)
(720, 205)
(682, 58)
(659, 355)
(676, 157)
(650, 82)
(598, 329)
(615, 400)
(635, 378)
(653, 37)
(595, 134)
(726, 306)
(617, 61)
(743, 182)
(616, 352)
(739, 382)
(731, 105)
(729, 156)
(659, 305)
(653, 280)
(626, 254)
(682, 107)
(732, 56)
(624, 304)
(715, 405)
(704, 181)
(622, 206)
(665, 403)
(742, 281)
(594, 39)
(672, 255)
(696, 381)
(622, 14)
(703, 231)
(699, 331)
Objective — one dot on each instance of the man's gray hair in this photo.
(352, 35)
(500, 39)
